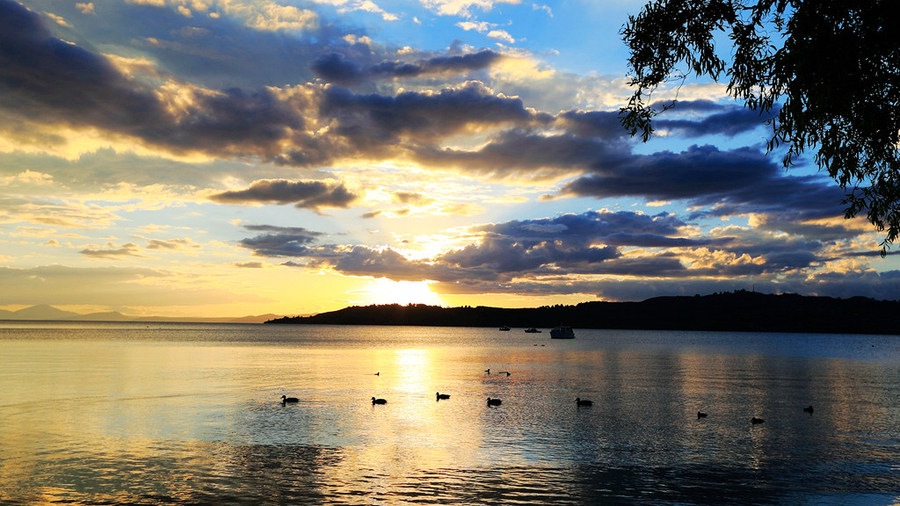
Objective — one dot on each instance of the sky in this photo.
(235, 157)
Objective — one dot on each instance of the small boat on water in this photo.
(504, 328)
(562, 332)
(532, 330)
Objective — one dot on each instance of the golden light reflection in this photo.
(412, 371)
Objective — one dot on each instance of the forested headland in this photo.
(732, 311)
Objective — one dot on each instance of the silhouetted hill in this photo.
(738, 311)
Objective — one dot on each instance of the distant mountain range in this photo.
(49, 313)
(733, 311)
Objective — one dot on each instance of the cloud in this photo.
(313, 125)
(700, 171)
(501, 35)
(249, 265)
(303, 194)
(412, 198)
(59, 82)
(571, 244)
(372, 123)
(462, 8)
(112, 251)
(337, 69)
(271, 16)
(172, 244)
(279, 241)
(85, 7)
(731, 121)
(543, 7)
(576, 253)
(478, 26)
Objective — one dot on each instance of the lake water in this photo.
(174, 413)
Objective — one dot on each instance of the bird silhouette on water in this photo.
(494, 402)
(701, 414)
(440, 397)
(378, 401)
(285, 399)
(583, 402)
(808, 409)
(756, 421)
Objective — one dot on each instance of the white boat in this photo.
(504, 328)
(562, 332)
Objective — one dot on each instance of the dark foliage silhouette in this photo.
(828, 71)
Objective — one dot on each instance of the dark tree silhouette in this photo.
(831, 69)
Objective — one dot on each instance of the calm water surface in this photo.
(165, 413)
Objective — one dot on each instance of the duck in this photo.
(583, 402)
(701, 414)
(808, 409)
(487, 371)
(378, 401)
(441, 396)
(285, 399)
(493, 402)
(504, 372)
(755, 420)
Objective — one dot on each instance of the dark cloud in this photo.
(523, 151)
(43, 74)
(604, 124)
(369, 120)
(699, 172)
(793, 198)
(303, 194)
(587, 228)
(279, 241)
(728, 120)
(733, 182)
(336, 68)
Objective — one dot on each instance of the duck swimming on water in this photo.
(378, 401)
(285, 399)
(440, 397)
(494, 402)
(583, 402)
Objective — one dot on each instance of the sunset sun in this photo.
(386, 291)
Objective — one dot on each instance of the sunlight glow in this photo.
(386, 291)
